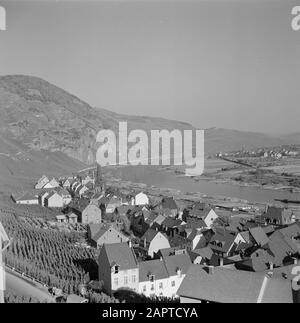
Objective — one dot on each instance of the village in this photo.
(163, 247)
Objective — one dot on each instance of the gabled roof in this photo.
(224, 285)
(169, 203)
(222, 237)
(165, 252)
(120, 254)
(51, 194)
(195, 223)
(281, 247)
(149, 235)
(200, 213)
(206, 252)
(27, 196)
(172, 223)
(259, 236)
(277, 212)
(98, 231)
(173, 263)
(291, 231)
(80, 204)
(152, 267)
(245, 235)
(158, 218)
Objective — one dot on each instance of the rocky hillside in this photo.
(41, 116)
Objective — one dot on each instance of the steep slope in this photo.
(20, 166)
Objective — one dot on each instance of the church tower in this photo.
(99, 181)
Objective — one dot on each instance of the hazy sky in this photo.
(230, 64)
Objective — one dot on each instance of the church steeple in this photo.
(99, 181)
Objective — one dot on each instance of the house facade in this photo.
(118, 268)
(100, 234)
(54, 200)
(91, 214)
(153, 241)
(28, 199)
(41, 182)
(140, 199)
(52, 184)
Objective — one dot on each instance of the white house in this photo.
(153, 241)
(140, 199)
(42, 197)
(27, 198)
(118, 267)
(41, 182)
(210, 217)
(54, 200)
(66, 196)
(153, 278)
(163, 277)
(177, 267)
(52, 184)
(81, 189)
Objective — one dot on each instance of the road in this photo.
(23, 286)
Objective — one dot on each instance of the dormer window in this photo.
(151, 278)
(179, 272)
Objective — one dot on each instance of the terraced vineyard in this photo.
(48, 255)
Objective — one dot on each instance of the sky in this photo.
(219, 63)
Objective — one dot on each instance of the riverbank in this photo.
(282, 176)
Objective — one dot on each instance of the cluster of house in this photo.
(55, 192)
(191, 256)
(275, 153)
(157, 248)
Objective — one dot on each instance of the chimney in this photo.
(271, 265)
(209, 270)
(221, 262)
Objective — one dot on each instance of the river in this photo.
(167, 179)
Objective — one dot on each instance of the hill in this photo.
(48, 122)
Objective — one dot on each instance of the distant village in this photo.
(265, 153)
(191, 251)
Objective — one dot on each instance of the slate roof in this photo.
(281, 247)
(291, 231)
(195, 223)
(259, 236)
(245, 235)
(277, 212)
(165, 252)
(150, 234)
(98, 233)
(169, 203)
(223, 237)
(233, 286)
(27, 196)
(171, 222)
(120, 254)
(173, 263)
(152, 267)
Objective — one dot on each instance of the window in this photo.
(151, 278)
(116, 282)
(152, 287)
(116, 269)
(144, 288)
(133, 278)
(173, 283)
(161, 285)
(125, 280)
